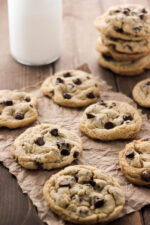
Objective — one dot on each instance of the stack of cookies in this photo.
(124, 44)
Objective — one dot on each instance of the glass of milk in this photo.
(35, 29)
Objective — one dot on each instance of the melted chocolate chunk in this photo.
(145, 176)
(126, 11)
(130, 154)
(90, 95)
(8, 102)
(38, 164)
(60, 80)
(147, 139)
(127, 117)
(19, 116)
(67, 75)
(109, 125)
(102, 103)
(90, 116)
(77, 81)
(67, 96)
(39, 141)
(119, 30)
(144, 10)
(65, 152)
(31, 106)
(148, 83)
(98, 202)
(52, 92)
(27, 99)
(117, 11)
(54, 132)
(75, 154)
(141, 15)
(65, 183)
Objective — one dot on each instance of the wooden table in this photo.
(78, 47)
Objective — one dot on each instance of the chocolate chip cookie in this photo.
(72, 88)
(110, 120)
(17, 109)
(46, 147)
(84, 195)
(135, 162)
(141, 93)
(126, 46)
(118, 56)
(126, 68)
(128, 22)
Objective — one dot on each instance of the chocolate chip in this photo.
(148, 83)
(109, 125)
(88, 77)
(144, 10)
(31, 106)
(117, 11)
(113, 103)
(60, 80)
(27, 99)
(102, 103)
(19, 116)
(127, 117)
(98, 202)
(75, 154)
(126, 11)
(137, 29)
(38, 164)
(145, 176)
(90, 95)
(65, 152)
(90, 182)
(8, 102)
(141, 15)
(147, 139)
(54, 132)
(77, 81)
(130, 154)
(65, 183)
(67, 96)
(52, 92)
(129, 47)
(39, 141)
(119, 30)
(90, 116)
(67, 74)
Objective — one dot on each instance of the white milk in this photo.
(35, 28)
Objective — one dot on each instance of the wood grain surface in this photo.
(79, 38)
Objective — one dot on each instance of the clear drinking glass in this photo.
(35, 29)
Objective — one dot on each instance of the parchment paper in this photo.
(103, 155)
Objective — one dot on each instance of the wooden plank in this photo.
(15, 207)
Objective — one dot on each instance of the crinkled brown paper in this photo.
(103, 155)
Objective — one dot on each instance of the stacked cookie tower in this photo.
(124, 44)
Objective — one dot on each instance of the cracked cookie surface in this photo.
(110, 120)
(17, 109)
(46, 146)
(135, 161)
(128, 22)
(84, 194)
(141, 93)
(73, 88)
